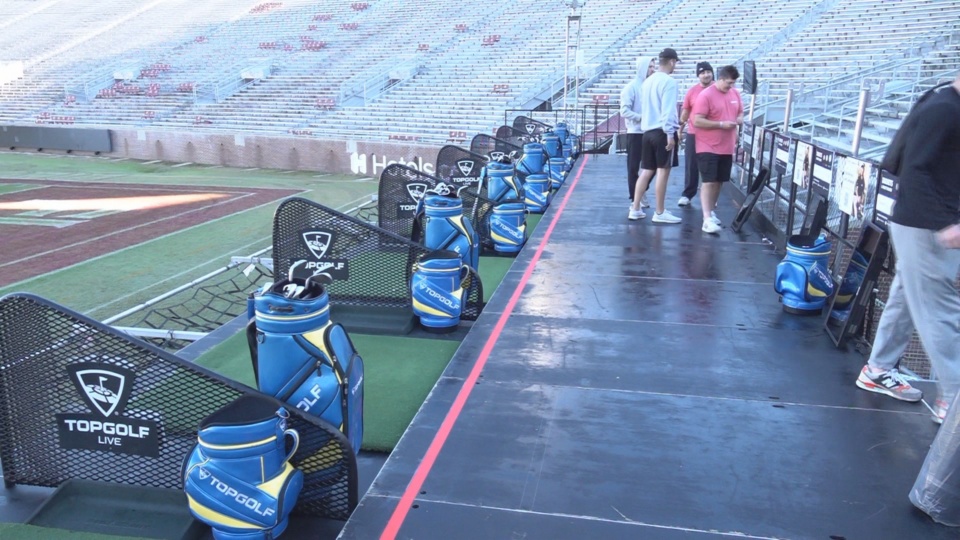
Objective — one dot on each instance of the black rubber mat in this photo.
(99, 507)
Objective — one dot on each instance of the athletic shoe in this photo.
(940, 408)
(643, 202)
(714, 218)
(684, 201)
(636, 214)
(665, 217)
(710, 226)
(890, 383)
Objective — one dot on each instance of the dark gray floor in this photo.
(647, 384)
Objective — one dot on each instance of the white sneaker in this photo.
(710, 226)
(715, 219)
(636, 214)
(643, 201)
(684, 201)
(665, 217)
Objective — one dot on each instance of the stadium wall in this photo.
(271, 152)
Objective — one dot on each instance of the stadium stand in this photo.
(331, 70)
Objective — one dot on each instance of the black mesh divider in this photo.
(513, 136)
(493, 147)
(81, 400)
(459, 166)
(370, 267)
(400, 189)
(528, 125)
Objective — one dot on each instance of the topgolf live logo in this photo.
(374, 164)
(105, 389)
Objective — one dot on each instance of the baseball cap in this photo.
(704, 66)
(669, 54)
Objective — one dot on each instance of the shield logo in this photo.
(204, 474)
(318, 242)
(416, 190)
(104, 388)
(497, 156)
(466, 166)
(531, 128)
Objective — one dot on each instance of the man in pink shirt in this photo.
(691, 174)
(717, 113)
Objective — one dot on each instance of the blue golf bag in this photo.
(552, 145)
(562, 131)
(803, 277)
(304, 359)
(238, 478)
(508, 226)
(533, 160)
(502, 182)
(438, 289)
(558, 172)
(537, 193)
(441, 222)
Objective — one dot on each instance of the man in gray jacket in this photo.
(630, 112)
(658, 110)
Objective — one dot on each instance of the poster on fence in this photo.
(852, 178)
(781, 154)
(822, 172)
(757, 144)
(746, 144)
(767, 148)
(887, 188)
(802, 165)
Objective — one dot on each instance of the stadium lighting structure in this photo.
(573, 22)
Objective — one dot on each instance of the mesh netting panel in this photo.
(370, 266)
(400, 189)
(58, 372)
(459, 166)
(493, 147)
(528, 125)
(203, 308)
(513, 136)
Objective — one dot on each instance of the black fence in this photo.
(370, 267)
(493, 147)
(857, 194)
(80, 400)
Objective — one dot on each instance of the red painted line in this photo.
(426, 464)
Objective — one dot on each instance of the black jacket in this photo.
(929, 163)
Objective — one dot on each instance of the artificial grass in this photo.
(399, 372)
(19, 531)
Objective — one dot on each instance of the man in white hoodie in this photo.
(630, 112)
(658, 103)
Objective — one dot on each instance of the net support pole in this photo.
(858, 128)
(787, 111)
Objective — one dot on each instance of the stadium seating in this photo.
(327, 69)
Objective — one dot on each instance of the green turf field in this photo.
(400, 371)
(17, 531)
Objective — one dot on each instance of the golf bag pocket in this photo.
(238, 478)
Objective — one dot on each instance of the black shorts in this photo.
(714, 167)
(654, 153)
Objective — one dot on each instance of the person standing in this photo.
(691, 174)
(659, 122)
(717, 114)
(630, 111)
(925, 233)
